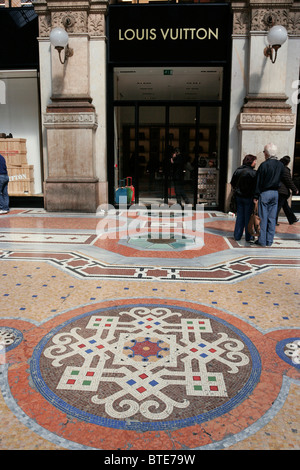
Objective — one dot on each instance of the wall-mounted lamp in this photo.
(59, 39)
(276, 37)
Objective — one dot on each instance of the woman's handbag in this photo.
(254, 221)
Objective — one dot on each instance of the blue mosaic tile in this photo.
(288, 350)
(17, 334)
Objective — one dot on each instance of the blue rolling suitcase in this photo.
(121, 193)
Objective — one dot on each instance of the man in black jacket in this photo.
(178, 163)
(285, 187)
(268, 179)
(243, 182)
(4, 179)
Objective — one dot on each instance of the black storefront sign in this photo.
(195, 33)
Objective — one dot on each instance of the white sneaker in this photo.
(3, 212)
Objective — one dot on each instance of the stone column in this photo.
(70, 118)
(264, 109)
(267, 114)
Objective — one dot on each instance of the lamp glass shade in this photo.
(277, 35)
(59, 37)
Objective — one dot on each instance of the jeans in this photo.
(267, 211)
(4, 199)
(244, 210)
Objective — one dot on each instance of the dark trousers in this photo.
(179, 192)
(283, 204)
(4, 198)
(244, 210)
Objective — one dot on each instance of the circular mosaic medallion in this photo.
(145, 367)
(9, 338)
(289, 351)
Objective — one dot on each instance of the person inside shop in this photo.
(178, 165)
(243, 182)
(285, 189)
(202, 162)
(189, 168)
(268, 179)
(4, 179)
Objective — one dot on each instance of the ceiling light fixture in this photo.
(276, 37)
(59, 38)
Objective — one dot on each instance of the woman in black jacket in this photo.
(285, 187)
(243, 182)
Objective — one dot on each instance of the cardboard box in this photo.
(15, 145)
(25, 186)
(21, 179)
(14, 158)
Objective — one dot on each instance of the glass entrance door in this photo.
(157, 110)
(145, 139)
(152, 153)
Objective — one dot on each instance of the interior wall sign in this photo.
(159, 33)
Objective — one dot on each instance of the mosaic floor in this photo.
(133, 331)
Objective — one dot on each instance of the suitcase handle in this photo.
(128, 178)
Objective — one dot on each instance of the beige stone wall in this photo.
(75, 150)
(263, 108)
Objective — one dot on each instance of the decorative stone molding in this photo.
(72, 21)
(96, 25)
(266, 102)
(241, 22)
(70, 120)
(263, 19)
(294, 22)
(257, 15)
(77, 17)
(44, 25)
(266, 121)
(266, 112)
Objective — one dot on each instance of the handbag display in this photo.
(254, 221)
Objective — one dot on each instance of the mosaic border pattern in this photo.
(83, 266)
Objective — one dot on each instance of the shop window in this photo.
(20, 137)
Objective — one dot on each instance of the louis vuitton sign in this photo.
(167, 33)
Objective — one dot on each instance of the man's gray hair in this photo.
(270, 150)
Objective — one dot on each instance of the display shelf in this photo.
(208, 186)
